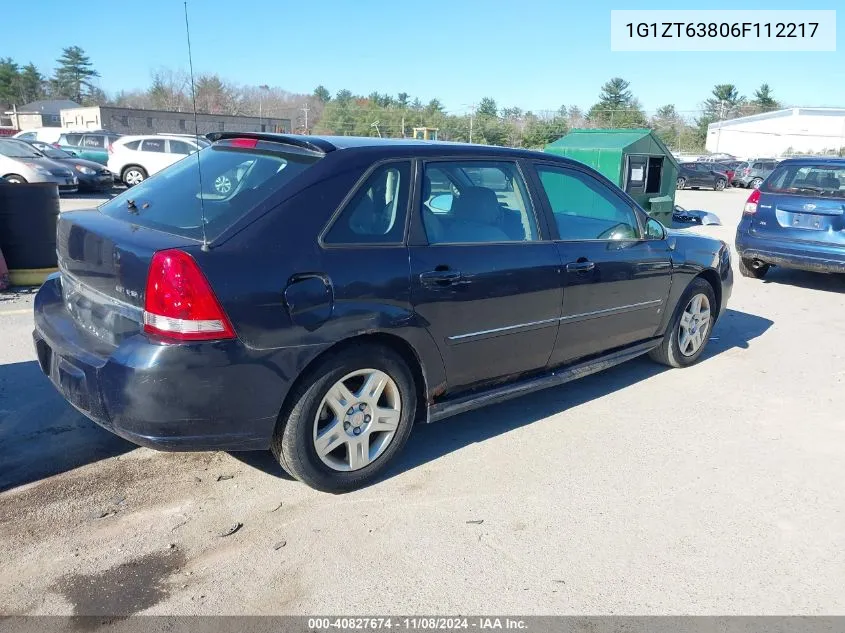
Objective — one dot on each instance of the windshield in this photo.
(18, 149)
(826, 181)
(52, 152)
(233, 182)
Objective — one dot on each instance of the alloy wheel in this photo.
(695, 325)
(357, 420)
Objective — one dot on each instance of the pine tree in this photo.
(72, 78)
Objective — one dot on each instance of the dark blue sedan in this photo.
(342, 289)
(796, 219)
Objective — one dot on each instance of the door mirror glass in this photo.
(654, 230)
(441, 203)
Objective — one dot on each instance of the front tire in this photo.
(688, 334)
(347, 419)
(14, 179)
(747, 268)
(133, 175)
(681, 183)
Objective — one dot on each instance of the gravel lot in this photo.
(711, 490)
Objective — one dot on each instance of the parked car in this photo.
(21, 163)
(795, 219)
(132, 159)
(727, 170)
(701, 174)
(319, 308)
(752, 173)
(90, 145)
(92, 176)
(717, 158)
(44, 134)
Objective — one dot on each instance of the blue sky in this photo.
(536, 54)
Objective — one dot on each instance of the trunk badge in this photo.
(809, 206)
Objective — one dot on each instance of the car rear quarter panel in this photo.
(292, 299)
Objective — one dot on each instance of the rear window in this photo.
(234, 181)
(72, 139)
(825, 181)
(132, 144)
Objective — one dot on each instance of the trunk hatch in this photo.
(104, 264)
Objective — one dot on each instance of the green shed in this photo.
(636, 160)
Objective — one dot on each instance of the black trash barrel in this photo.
(28, 214)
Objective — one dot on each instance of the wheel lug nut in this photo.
(346, 425)
(357, 430)
(351, 411)
(367, 418)
(362, 406)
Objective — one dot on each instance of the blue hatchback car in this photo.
(342, 289)
(796, 219)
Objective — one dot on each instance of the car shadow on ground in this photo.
(40, 433)
(431, 441)
(806, 279)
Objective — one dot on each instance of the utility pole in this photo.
(471, 115)
(721, 118)
(261, 90)
(305, 109)
(403, 126)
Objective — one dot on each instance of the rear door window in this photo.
(152, 145)
(133, 145)
(95, 141)
(825, 181)
(172, 201)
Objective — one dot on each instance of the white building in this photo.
(782, 132)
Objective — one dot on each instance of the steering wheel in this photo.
(619, 231)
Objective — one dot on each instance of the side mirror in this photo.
(654, 230)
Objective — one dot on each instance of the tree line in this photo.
(376, 114)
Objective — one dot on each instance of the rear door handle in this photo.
(440, 278)
(579, 267)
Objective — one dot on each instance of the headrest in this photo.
(477, 204)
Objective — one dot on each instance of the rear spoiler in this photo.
(310, 143)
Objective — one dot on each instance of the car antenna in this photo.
(196, 132)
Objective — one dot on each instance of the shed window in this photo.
(149, 121)
(655, 170)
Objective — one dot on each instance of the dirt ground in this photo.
(711, 490)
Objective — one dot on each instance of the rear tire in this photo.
(133, 175)
(308, 418)
(748, 269)
(720, 184)
(669, 351)
(681, 183)
(14, 179)
(755, 184)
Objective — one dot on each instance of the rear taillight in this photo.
(747, 171)
(111, 148)
(179, 303)
(751, 204)
(56, 145)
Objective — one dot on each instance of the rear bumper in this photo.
(201, 396)
(802, 256)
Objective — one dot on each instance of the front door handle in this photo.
(440, 278)
(580, 266)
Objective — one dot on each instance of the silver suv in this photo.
(21, 163)
(754, 172)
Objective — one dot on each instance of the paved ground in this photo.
(711, 490)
